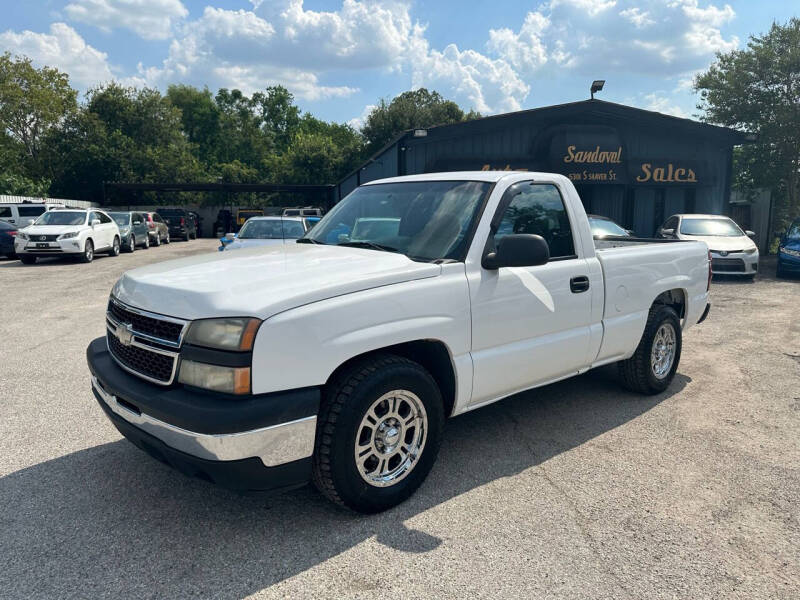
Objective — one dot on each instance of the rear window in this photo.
(30, 211)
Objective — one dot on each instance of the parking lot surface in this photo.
(576, 490)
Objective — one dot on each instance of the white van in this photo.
(24, 213)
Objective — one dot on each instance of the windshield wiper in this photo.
(370, 245)
(309, 241)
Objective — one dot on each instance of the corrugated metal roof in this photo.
(7, 199)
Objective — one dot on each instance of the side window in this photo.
(671, 223)
(539, 209)
(92, 216)
(104, 218)
(157, 218)
(5, 212)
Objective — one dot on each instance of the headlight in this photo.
(66, 236)
(224, 334)
(788, 251)
(22, 236)
(230, 380)
(751, 251)
(124, 230)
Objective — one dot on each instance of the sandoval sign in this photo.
(588, 154)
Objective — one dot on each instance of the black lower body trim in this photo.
(248, 474)
(705, 313)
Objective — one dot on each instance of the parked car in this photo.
(68, 232)
(180, 223)
(789, 251)
(22, 214)
(198, 223)
(265, 231)
(157, 228)
(603, 227)
(7, 234)
(243, 214)
(733, 252)
(309, 222)
(133, 230)
(225, 223)
(340, 362)
(307, 211)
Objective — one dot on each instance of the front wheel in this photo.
(88, 252)
(652, 367)
(378, 433)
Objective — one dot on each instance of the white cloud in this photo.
(150, 19)
(64, 49)
(657, 102)
(359, 121)
(589, 36)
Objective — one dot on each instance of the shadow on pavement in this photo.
(110, 520)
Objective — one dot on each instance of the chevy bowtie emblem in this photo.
(124, 334)
(43, 238)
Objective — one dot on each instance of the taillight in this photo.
(183, 221)
(12, 233)
(708, 285)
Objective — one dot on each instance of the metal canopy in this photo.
(214, 187)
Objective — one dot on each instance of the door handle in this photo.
(579, 284)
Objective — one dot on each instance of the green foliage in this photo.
(410, 110)
(758, 90)
(32, 101)
(50, 143)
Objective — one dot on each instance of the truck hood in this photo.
(720, 242)
(262, 281)
(238, 244)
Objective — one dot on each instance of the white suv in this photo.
(68, 232)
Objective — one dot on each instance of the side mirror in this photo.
(667, 233)
(95, 222)
(631, 232)
(137, 222)
(750, 234)
(29, 222)
(518, 250)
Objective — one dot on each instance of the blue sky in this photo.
(340, 56)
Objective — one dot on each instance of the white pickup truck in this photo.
(338, 358)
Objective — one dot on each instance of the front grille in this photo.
(35, 237)
(727, 265)
(150, 364)
(165, 330)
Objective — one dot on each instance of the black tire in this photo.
(114, 251)
(27, 260)
(132, 244)
(146, 244)
(345, 403)
(158, 239)
(636, 372)
(88, 252)
(779, 272)
(11, 256)
(167, 239)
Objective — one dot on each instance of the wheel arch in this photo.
(674, 298)
(432, 354)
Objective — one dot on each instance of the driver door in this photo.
(530, 325)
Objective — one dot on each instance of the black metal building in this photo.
(635, 166)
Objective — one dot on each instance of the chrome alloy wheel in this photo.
(662, 354)
(391, 438)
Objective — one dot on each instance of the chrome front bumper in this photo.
(274, 445)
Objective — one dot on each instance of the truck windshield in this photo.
(62, 217)
(794, 231)
(720, 227)
(425, 220)
(121, 218)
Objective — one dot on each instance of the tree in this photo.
(32, 101)
(410, 110)
(758, 90)
(279, 115)
(200, 118)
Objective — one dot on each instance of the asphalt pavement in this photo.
(576, 490)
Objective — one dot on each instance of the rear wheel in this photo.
(27, 260)
(652, 367)
(158, 238)
(146, 244)
(379, 430)
(88, 252)
(166, 239)
(114, 251)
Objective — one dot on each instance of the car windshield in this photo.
(425, 220)
(122, 218)
(606, 227)
(794, 231)
(712, 227)
(62, 217)
(30, 211)
(271, 229)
